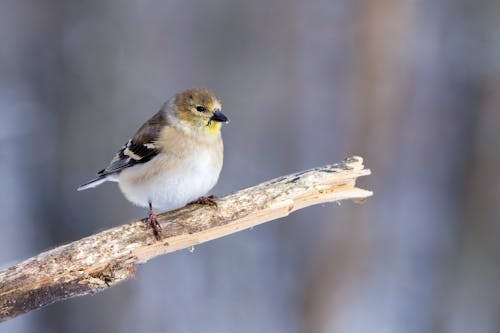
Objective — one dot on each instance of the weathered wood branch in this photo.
(100, 261)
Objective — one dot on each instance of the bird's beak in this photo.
(219, 117)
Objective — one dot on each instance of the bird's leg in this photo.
(210, 200)
(153, 221)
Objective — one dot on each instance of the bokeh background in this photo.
(412, 86)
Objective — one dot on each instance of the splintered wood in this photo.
(100, 261)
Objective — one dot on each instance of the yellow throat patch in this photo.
(213, 127)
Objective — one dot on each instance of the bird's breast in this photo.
(170, 181)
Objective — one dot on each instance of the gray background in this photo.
(412, 86)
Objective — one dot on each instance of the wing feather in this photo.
(141, 148)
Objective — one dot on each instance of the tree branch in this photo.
(100, 261)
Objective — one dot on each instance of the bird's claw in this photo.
(153, 222)
(210, 200)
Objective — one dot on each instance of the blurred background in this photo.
(412, 86)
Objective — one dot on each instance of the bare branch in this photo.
(100, 261)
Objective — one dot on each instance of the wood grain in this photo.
(100, 261)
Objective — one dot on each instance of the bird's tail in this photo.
(95, 182)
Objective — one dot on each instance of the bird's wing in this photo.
(141, 148)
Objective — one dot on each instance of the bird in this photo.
(175, 157)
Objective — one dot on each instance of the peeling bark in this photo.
(100, 261)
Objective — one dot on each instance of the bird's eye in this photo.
(201, 108)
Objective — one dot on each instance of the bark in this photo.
(100, 261)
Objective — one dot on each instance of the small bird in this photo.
(174, 158)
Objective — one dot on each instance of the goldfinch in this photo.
(174, 158)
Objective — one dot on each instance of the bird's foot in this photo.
(153, 222)
(210, 200)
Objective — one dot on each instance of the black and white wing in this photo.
(140, 149)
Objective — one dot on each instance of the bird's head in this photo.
(198, 109)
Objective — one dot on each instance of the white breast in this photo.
(172, 187)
